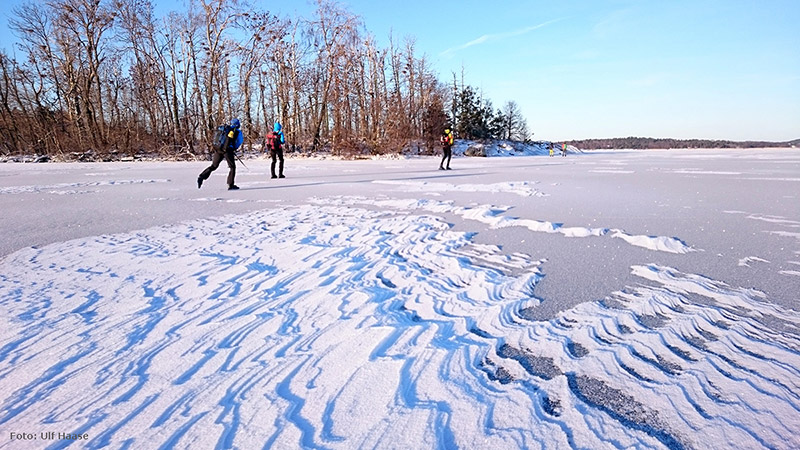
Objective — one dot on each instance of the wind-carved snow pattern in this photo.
(780, 221)
(703, 172)
(341, 327)
(494, 217)
(795, 273)
(68, 188)
(612, 170)
(785, 234)
(775, 219)
(745, 262)
(521, 188)
(658, 243)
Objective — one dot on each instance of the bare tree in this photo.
(108, 75)
(514, 126)
(331, 31)
(218, 16)
(261, 31)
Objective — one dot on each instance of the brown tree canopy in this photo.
(110, 78)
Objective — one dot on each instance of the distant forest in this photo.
(666, 143)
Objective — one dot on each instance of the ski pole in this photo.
(240, 160)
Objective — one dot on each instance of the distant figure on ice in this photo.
(447, 141)
(227, 139)
(564, 149)
(274, 142)
(551, 150)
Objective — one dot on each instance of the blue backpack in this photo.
(221, 138)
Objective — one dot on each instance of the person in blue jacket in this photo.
(274, 142)
(232, 141)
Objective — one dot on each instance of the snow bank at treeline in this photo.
(462, 147)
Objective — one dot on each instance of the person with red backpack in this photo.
(274, 142)
(447, 141)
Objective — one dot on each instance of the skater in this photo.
(226, 143)
(551, 150)
(564, 150)
(447, 141)
(274, 141)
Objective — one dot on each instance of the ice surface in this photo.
(509, 303)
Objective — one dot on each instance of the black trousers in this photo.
(448, 153)
(216, 159)
(277, 155)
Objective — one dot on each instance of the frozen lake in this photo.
(643, 298)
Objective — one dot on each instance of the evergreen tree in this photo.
(475, 117)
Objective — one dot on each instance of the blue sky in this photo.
(711, 69)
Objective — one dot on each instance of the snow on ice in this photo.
(378, 316)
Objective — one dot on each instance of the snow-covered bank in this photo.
(499, 148)
(362, 304)
(483, 148)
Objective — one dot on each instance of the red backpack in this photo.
(273, 140)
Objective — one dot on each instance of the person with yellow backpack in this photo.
(226, 140)
(447, 141)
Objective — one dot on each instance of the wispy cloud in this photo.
(497, 37)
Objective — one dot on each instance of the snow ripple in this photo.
(341, 327)
(62, 188)
(521, 188)
(495, 218)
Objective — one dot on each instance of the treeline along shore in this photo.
(667, 143)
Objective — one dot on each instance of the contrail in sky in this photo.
(496, 37)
